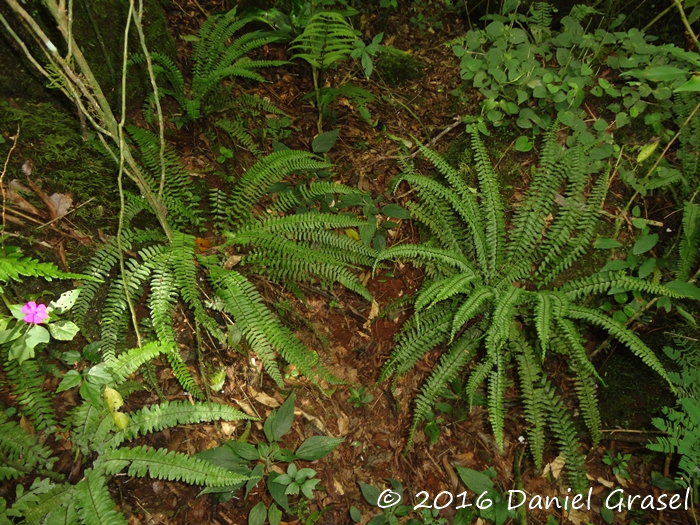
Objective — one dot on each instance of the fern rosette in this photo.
(489, 296)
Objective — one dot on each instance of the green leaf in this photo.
(355, 514)
(523, 144)
(282, 419)
(664, 483)
(396, 212)
(258, 514)
(37, 334)
(659, 74)
(65, 302)
(71, 379)
(308, 487)
(607, 244)
(274, 515)
(244, 450)
(646, 151)
(645, 244)
(276, 490)
(473, 480)
(325, 141)
(10, 335)
(692, 85)
(91, 393)
(370, 493)
(283, 479)
(63, 330)
(687, 289)
(316, 447)
(646, 268)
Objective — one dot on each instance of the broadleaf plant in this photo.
(238, 455)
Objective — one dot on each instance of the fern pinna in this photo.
(489, 295)
(301, 247)
(96, 430)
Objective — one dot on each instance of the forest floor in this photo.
(354, 342)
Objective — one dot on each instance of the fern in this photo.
(216, 56)
(27, 382)
(171, 466)
(690, 240)
(14, 267)
(20, 451)
(94, 503)
(327, 39)
(490, 282)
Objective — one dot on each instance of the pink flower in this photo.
(34, 313)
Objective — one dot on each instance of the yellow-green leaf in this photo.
(113, 399)
(646, 151)
(121, 420)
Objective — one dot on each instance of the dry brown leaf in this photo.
(62, 203)
(343, 425)
(577, 517)
(606, 483)
(555, 467)
(232, 261)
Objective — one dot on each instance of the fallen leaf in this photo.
(343, 425)
(62, 203)
(577, 517)
(232, 261)
(606, 483)
(263, 398)
(338, 487)
(373, 313)
(555, 467)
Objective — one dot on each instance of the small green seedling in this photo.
(296, 480)
(359, 397)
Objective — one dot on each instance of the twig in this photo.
(66, 214)
(686, 23)
(2, 176)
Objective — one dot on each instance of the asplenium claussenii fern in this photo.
(99, 428)
(488, 295)
(217, 55)
(302, 247)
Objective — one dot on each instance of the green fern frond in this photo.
(309, 193)
(55, 506)
(126, 363)
(586, 391)
(182, 257)
(171, 466)
(447, 369)
(565, 435)
(466, 208)
(603, 281)
(262, 331)
(178, 196)
(94, 503)
(103, 262)
(155, 418)
(182, 373)
(442, 289)
(423, 254)
(237, 132)
(503, 314)
(20, 449)
(161, 300)
(578, 245)
(26, 381)
(469, 308)
(416, 338)
(530, 374)
(327, 38)
(491, 204)
(621, 333)
(477, 376)
(270, 169)
(690, 240)
(496, 397)
(14, 267)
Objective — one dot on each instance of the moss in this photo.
(395, 67)
(98, 28)
(63, 162)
